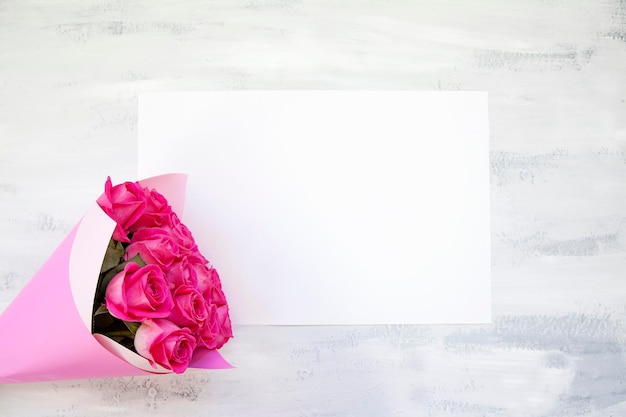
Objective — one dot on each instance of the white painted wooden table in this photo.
(70, 72)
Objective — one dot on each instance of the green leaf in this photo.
(132, 326)
(101, 310)
(101, 322)
(137, 259)
(118, 339)
(104, 280)
(119, 333)
(112, 256)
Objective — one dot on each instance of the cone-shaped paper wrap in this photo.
(45, 334)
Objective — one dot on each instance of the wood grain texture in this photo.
(70, 72)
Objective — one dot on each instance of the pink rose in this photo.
(154, 246)
(124, 203)
(181, 274)
(215, 296)
(206, 277)
(217, 329)
(137, 293)
(210, 332)
(156, 214)
(197, 257)
(164, 343)
(226, 329)
(190, 308)
(183, 237)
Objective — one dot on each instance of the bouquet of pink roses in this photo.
(126, 293)
(156, 293)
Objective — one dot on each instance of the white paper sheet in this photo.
(333, 207)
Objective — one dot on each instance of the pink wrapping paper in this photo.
(45, 334)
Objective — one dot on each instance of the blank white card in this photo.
(333, 207)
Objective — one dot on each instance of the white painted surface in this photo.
(69, 76)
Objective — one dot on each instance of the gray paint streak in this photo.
(69, 75)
